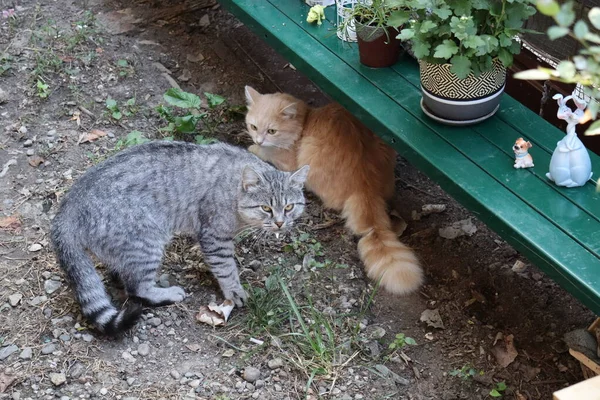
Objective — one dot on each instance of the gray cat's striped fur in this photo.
(126, 209)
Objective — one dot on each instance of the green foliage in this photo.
(466, 372)
(127, 109)
(585, 66)
(303, 244)
(400, 341)
(125, 69)
(469, 34)
(267, 307)
(5, 63)
(182, 123)
(43, 90)
(132, 138)
(497, 391)
(377, 13)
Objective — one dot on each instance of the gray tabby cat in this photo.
(126, 209)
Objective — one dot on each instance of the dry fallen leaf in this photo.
(6, 381)
(505, 351)
(95, 134)
(432, 318)
(215, 315)
(76, 118)
(11, 223)
(35, 161)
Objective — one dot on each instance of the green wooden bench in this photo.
(557, 229)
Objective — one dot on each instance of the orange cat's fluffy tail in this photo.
(384, 256)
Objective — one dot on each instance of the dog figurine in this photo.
(522, 157)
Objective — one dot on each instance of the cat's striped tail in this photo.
(95, 303)
(386, 259)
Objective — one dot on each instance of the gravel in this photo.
(251, 374)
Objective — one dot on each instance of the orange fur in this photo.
(351, 170)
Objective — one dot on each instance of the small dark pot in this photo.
(376, 49)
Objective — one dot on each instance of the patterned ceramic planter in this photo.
(460, 101)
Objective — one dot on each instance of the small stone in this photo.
(204, 21)
(104, 391)
(65, 337)
(154, 321)
(130, 381)
(36, 301)
(30, 152)
(28, 143)
(16, 396)
(48, 349)
(275, 363)
(58, 379)
(77, 370)
(144, 349)
(23, 130)
(194, 383)
(259, 383)
(254, 265)
(35, 247)
(175, 374)
(51, 286)
(26, 354)
(87, 337)
(278, 387)
(251, 374)
(7, 351)
(128, 357)
(15, 299)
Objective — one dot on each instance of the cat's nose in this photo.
(279, 223)
(259, 141)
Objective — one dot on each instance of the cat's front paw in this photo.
(238, 295)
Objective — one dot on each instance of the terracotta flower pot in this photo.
(376, 48)
(454, 101)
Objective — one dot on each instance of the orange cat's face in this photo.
(273, 120)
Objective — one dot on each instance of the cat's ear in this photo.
(250, 178)
(298, 178)
(290, 110)
(251, 95)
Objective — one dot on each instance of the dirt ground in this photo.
(315, 328)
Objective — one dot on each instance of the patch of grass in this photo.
(302, 244)
(267, 307)
(82, 31)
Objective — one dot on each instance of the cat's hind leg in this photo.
(137, 269)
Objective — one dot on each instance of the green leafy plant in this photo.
(585, 66)
(127, 109)
(43, 90)
(469, 34)
(400, 341)
(303, 244)
(184, 124)
(497, 391)
(125, 69)
(377, 14)
(5, 63)
(466, 372)
(132, 138)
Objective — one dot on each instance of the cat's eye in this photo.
(266, 209)
(272, 131)
(253, 127)
(289, 207)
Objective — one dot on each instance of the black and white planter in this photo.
(454, 101)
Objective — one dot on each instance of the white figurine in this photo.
(570, 165)
(522, 157)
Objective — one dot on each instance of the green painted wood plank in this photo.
(534, 191)
(461, 178)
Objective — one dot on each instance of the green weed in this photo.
(133, 138)
(466, 372)
(400, 341)
(497, 391)
(126, 109)
(267, 307)
(43, 90)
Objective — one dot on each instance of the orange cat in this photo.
(351, 170)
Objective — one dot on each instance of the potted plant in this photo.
(377, 23)
(464, 48)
